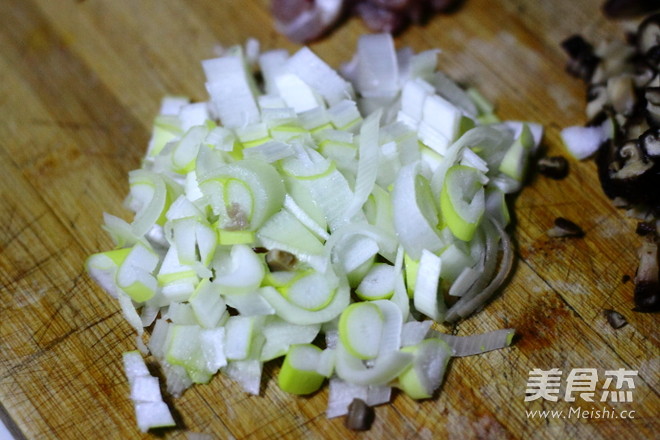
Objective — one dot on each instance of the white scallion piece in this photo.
(231, 89)
(150, 410)
(477, 344)
(426, 296)
(315, 205)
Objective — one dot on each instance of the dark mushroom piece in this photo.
(636, 124)
(603, 117)
(279, 260)
(653, 57)
(582, 60)
(624, 89)
(628, 8)
(607, 154)
(628, 173)
(632, 163)
(650, 143)
(564, 227)
(643, 74)
(555, 167)
(360, 415)
(648, 34)
(647, 283)
(620, 202)
(615, 319)
(597, 100)
(645, 228)
(652, 95)
(621, 92)
(616, 58)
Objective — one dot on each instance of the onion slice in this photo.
(466, 305)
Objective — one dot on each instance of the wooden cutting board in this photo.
(80, 82)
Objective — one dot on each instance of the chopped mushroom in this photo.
(632, 163)
(628, 172)
(279, 260)
(615, 319)
(621, 90)
(647, 283)
(652, 96)
(645, 228)
(565, 228)
(555, 167)
(597, 99)
(653, 57)
(615, 59)
(628, 8)
(648, 34)
(360, 415)
(582, 61)
(650, 142)
(623, 99)
(636, 124)
(644, 74)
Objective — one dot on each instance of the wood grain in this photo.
(81, 83)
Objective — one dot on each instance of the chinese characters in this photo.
(581, 383)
